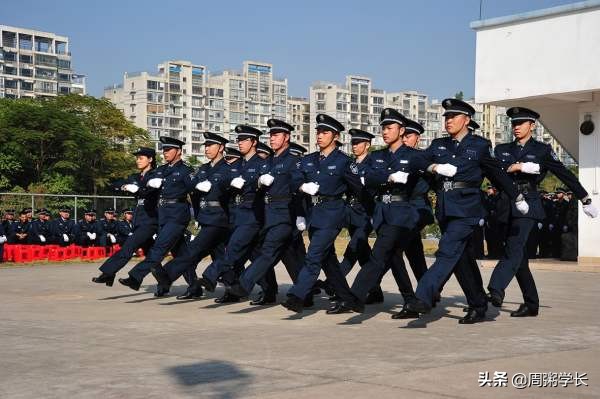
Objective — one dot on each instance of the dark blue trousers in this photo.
(321, 253)
(515, 262)
(358, 249)
(141, 238)
(168, 236)
(273, 245)
(452, 256)
(204, 244)
(238, 249)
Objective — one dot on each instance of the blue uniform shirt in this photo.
(173, 206)
(336, 174)
(473, 159)
(212, 206)
(280, 204)
(542, 154)
(247, 206)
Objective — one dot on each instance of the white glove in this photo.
(309, 188)
(154, 236)
(204, 186)
(91, 236)
(300, 223)
(238, 182)
(130, 234)
(398, 177)
(42, 238)
(112, 238)
(266, 180)
(155, 182)
(481, 222)
(132, 188)
(540, 225)
(192, 237)
(446, 169)
(590, 210)
(522, 206)
(550, 227)
(2, 239)
(531, 168)
(65, 238)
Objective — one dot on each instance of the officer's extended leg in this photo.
(515, 252)
(135, 241)
(318, 251)
(455, 237)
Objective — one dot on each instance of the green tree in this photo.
(459, 95)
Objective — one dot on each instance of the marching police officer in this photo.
(145, 217)
(125, 226)
(280, 178)
(460, 162)
(359, 208)
(212, 182)
(392, 173)
(173, 182)
(246, 215)
(61, 228)
(327, 174)
(527, 161)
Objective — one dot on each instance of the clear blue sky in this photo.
(424, 45)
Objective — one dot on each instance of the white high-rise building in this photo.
(183, 100)
(355, 104)
(36, 64)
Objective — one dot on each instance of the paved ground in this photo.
(62, 336)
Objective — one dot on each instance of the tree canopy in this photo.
(66, 144)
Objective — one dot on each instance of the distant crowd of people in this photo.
(554, 237)
(62, 230)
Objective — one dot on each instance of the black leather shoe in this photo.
(238, 291)
(437, 298)
(418, 306)
(309, 301)
(405, 314)
(161, 291)
(466, 309)
(193, 292)
(495, 298)
(338, 308)
(374, 296)
(161, 276)
(293, 303)
(472, 317)
(228, 297)
(525, 311)
(206, 283)
(131, 283)
(104, 278)
(264, 299)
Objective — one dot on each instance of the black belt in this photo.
(525, 187)
(209, 204)
(317, 199)
(277, 198)
(164, 201)
(389, 198)
(448, 185)
(239, 199)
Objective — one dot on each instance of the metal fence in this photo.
(52, 202)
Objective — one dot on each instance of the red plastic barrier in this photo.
(24, 254)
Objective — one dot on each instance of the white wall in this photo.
(559, 54)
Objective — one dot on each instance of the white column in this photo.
(589, 175)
